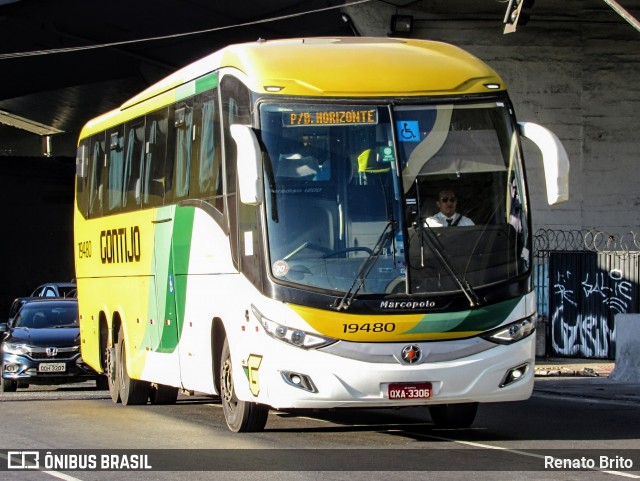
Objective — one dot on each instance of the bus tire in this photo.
(241, 416)
(9, 385)
(453, 415)
(132, 391)
(162, 394)
(112, 371)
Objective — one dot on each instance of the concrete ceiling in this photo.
(64, 90)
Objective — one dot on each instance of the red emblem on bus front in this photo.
(411, 354)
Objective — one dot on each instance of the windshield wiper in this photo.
(432, 242)
(366, 266)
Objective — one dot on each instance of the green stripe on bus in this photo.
(207, 82)
(186, 90)
(197, 86)
(176, 287)
(481, 319)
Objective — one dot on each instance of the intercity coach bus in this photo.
(256, 227)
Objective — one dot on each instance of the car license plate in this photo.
(420, 390)
(52, 367)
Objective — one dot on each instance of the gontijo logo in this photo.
(120, 245)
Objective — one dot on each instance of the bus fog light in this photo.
(301, 381)
(514, 374)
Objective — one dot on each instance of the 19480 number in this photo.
(368, 327)
(84, 249)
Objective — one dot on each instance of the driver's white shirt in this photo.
(440, 220)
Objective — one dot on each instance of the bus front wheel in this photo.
(241, 416)
(453, 415)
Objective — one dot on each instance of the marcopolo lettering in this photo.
(406, 304)
(121, 245)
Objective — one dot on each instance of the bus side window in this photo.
(179, 146)
(96, 164)
(206, 180)
(153, 185)
(115, 169)
(82, 181)
(236, 105)
(134, 137)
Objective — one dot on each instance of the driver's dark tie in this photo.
(449, 221)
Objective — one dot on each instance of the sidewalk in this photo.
(584, 379)
(573, 367)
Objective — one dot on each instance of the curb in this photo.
(569, 372)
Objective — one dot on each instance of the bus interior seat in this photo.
(311, 223)
(367, 214)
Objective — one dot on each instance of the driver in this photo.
(447, 215)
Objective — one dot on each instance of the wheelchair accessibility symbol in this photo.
(408, 131)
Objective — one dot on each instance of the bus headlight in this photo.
(512, 332)
(295, 337)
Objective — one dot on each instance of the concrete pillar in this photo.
(627, 368)
(541, 336)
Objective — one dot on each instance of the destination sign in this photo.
(330, 116)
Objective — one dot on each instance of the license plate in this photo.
(52, 367)
(421, 390)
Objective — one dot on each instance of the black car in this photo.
(42, 346)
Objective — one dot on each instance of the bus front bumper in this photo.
(289, 377)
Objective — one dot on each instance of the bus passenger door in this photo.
(166, 324)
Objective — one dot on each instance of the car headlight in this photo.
(513, 332)
(295, 337)
(14, 348)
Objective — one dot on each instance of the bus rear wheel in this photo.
(241, 416)
(132, 391)
(453, 415)
(112, 371)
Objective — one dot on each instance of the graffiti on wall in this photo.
(585, 302)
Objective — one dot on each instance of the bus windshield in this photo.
(356, 197)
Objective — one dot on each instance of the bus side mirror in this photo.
(82, 161)
(554, 158)
(249, 163)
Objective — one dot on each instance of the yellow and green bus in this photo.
(258, 226)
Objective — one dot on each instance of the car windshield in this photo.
(47, 316)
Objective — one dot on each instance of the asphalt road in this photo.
(572, 421)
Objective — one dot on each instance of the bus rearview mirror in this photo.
(249, 164)
(554, 158)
